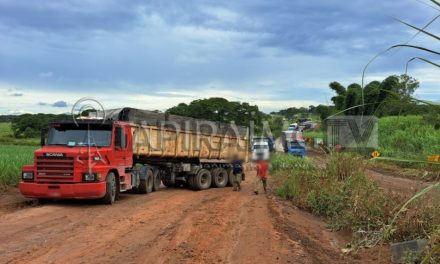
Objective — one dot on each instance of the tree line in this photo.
(391, 96)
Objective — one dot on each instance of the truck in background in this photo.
(293, 143)
(132, 150)
(270, 141)
(260, 149)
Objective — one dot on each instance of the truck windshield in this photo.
(296, 143)
(80, 136)
(261, 147)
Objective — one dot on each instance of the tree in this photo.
(392, 96)
(339, 99)
(395, 95)
(29, 125)
(293, 112)
(371, 96)
(353, 99)
(324, 111)
(220, 110)
(276, 124)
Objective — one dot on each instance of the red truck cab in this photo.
(81, 160)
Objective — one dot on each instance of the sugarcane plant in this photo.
(389, 228)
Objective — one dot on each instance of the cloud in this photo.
(14, 92)
(56, 104)
(45, 74)
(277, 53)
(60, 104)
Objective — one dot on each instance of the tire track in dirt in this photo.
(169, 226)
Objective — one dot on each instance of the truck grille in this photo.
(54, 169)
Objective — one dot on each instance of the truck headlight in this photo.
(89, 176)
(27, 176)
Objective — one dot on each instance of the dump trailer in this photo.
(131, 149)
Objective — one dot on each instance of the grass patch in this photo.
(348, 199)
(408, 137)
(7, 138)
(12, 158)
(315, 134)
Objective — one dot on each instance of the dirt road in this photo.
(169, 226)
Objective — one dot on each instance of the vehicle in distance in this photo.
(260, 149)
(293, 143)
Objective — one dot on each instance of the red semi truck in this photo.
(131, 150)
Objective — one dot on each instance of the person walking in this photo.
(237, 171)
(262, 169)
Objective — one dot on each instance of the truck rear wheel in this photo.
(202, 180)
(220, 178)
(213, 173)
(191, 182)
(156, 180)
(146, 185)
(110, 189)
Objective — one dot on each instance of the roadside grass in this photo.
(340, 192)
(315, 134)
(12, 158)
(408, 137)
(7, 138)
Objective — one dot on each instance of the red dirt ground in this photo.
(170, 226)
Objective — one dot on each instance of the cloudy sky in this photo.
(155, 54)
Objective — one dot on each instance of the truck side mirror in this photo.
(43, 137)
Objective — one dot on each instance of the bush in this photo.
(343, 194)
(407, 137)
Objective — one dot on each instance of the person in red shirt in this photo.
(262, 169)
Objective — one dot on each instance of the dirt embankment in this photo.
(169, 226)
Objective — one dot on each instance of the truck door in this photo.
(120, 151)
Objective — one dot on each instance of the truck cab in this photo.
(296, 148)
(84, 159)
(260, 150)
(132, 150)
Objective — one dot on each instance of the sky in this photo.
(155, 54)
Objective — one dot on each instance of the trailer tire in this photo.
(220, 178)
(191, 182)
(214, 173)
(110, 189)
(146, 185)
(202, 180)
(156, 180)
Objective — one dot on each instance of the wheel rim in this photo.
(221, 177)
(204, 178)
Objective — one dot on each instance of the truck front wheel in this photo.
(110, 190)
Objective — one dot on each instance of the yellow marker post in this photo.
(375, 154)
(434, 158)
